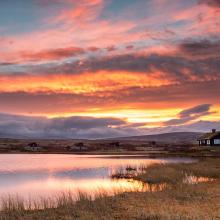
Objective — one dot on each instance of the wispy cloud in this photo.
(188, 115)
(52, 54)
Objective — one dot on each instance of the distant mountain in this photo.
(174, 137)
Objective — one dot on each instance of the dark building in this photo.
(78, 147)
(33, 144)
(210, 139)
(32, 147)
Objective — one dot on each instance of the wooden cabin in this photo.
(78, 147)
(33, 147)
(210, 139)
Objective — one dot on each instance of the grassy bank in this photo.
(108, 147)
(181, 200)
(176, 173)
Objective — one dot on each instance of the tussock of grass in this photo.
(206, 168)
(160, 173)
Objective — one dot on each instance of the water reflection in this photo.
(131, 185)
(34, 176)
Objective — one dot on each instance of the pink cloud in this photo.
(79, 26)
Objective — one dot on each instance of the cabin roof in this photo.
(210, 135)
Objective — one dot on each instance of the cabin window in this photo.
(208, 142)
(216, 141)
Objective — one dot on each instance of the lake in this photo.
(43, 175)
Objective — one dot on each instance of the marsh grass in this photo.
(128, 172)
(64, 199)
(199, 202)
(11, 203)
(179, 201)
(176, 173)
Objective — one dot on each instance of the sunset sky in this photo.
(108, 68)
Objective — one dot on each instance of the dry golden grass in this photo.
(175, 173)
(180, 201)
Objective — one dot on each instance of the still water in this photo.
(43, 175)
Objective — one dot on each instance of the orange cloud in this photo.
(81, 83)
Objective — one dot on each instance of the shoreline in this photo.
(145, 154)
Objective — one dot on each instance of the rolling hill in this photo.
(174, 137)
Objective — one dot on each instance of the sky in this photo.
(108, 68)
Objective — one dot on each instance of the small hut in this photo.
(33, 147)
(78, 147)
(210, 139)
